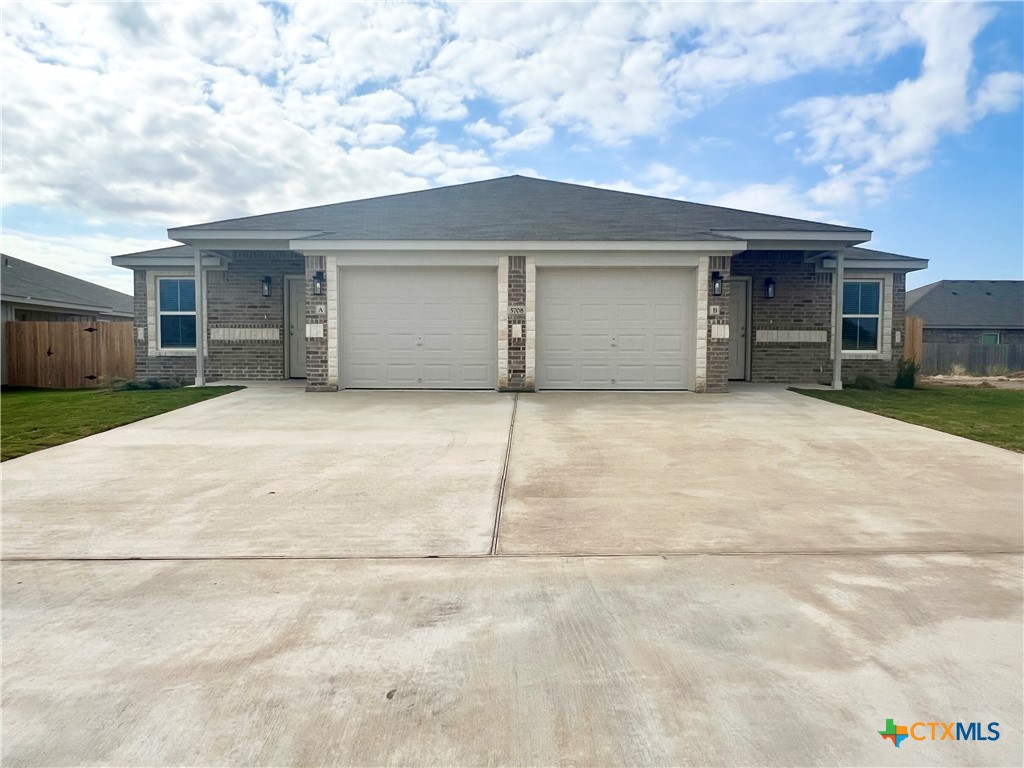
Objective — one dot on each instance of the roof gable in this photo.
(969, 304)
(518, 208)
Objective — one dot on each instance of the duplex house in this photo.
(518, 284)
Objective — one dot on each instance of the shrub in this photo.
(906, 374)
(997, 370)
(864, 381)
(128, 385)
(957, 370)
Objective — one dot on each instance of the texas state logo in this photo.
(948, 731)
(894, 733)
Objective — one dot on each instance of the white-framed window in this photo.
(176, 312)
(862, 315)
(990, 337)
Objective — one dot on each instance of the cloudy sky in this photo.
(123, 119)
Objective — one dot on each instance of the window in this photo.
(177, 311)
(990, 338)
(862, 301)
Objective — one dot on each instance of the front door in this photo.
(296, 326)
(739, 303)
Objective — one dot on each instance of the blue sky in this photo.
(123, 119)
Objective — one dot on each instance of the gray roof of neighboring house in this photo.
(519, 208)
(969, 304)
(22, 281)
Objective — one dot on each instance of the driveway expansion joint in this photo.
(504, 477)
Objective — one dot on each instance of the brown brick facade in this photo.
(516, 344)
(717, 370)
(803, 302)
(317, 365)
(233, 303)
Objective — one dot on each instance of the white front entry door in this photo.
(739, 303)
(616, 328)
(296, 327)
(418, 328)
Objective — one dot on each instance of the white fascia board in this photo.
(851, 236)
(194, 236)
(141, 262)
(894, 264)
(314, 247)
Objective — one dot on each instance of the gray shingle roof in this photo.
(869, 254)
(519, 208)
(969, 304)
(22, 280)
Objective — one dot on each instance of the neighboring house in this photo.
(970, 311)
(31, 292)
(518, 284)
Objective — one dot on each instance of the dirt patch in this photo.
(1010, 381)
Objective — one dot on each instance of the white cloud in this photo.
(171, 112)
(784, 198)
(866, 141)
(484, 130)
(530, 138)
(83, 256)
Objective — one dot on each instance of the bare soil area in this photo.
(1011, 381)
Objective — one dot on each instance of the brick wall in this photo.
(516, 344)
(717, 370)
(803, 302)
(972, 335)
(317, 367)
(233, 303)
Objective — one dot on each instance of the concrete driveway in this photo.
(778, 577)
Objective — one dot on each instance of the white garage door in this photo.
(630, 328)
(412, 328)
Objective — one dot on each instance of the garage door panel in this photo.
(632, 312)
(399, 342)
(632, 375)
(595, 312)
(664, 375)
(404, 327)
(615, 328)
(595, 374)
(668, 343)
(632, 343)
(668, 313)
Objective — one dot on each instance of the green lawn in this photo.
(993, 416)
(33, 419)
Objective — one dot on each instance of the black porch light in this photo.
(716, 283)
(265, 287)
(318, 283)
(769, 288)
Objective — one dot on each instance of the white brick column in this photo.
(531, 322)
(701, 364)
(502, 322)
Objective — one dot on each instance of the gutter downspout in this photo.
(837, 326)
(200, 321)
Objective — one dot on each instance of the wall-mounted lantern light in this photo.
(318, 284)
(716, 283)
(265, 287)
(769, 288)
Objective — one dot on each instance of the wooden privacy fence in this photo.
(68, 355)
(913, 329)
(980, 359)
